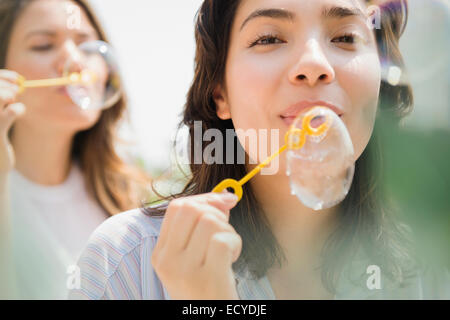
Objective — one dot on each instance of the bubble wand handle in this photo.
(85, 76)
(256, 170)
(237, 185)
(295, 139)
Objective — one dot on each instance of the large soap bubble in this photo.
(99, 86)
(320, 158)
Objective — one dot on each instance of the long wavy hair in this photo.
(116, 185)
(365, 220)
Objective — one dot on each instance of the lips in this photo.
(62, 90)
(288, 116)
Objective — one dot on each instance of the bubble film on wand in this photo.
(320, 160)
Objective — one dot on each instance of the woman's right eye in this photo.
(42, 47)
(266, 40)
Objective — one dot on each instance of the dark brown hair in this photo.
(115, 185)
(365, 221)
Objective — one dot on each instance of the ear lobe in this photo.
(222, 107)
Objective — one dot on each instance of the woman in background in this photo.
(65, 177)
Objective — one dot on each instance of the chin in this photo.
(77, 122)
(87, 126)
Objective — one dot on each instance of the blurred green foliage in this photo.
(417, 176)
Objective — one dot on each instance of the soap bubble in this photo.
(424, 43)
(320, 158)
(100, 86)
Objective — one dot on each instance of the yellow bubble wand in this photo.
(83, 77)
(295, 139)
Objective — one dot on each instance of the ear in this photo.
(222, 107)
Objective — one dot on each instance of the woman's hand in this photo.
(197, 247)
(9, 111)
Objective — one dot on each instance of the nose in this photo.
(69, 58)
(312, 67)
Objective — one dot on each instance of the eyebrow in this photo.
(269, 13)
(342, 12)
(327, 13)
(40, 32)
(49, 33)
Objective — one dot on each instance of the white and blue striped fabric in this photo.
(116, 264)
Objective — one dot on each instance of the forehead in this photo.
(311, 8)
(52, 14)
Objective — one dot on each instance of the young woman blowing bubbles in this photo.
(255, 60)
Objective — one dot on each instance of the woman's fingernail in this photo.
(229, 197)
(18, 108)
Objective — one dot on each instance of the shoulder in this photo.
(116, 261)
(125, 230)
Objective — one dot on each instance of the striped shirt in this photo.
(116, 264)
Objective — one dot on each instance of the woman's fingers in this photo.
(6, 85)
(14, 110)
(224, 248)
(195, 232)
(185, 224)
(11, 76)
(9, 88)
(9, 115)
(9, 111)
(224, 201)
(7, 118)
(208, 225)
(189, 208)
(8, 94)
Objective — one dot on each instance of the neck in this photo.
(42, 155)
(300, 231)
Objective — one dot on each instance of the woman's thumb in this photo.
(12, 112)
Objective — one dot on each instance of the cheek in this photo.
(360, 80)
(252, 83)
(47, 106)
(30, 65)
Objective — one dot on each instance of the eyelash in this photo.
(266, 37)
(42, 48)
(350, 38)
(353, 36)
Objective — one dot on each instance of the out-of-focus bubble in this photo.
(424, 43)
(100, 86)
(320, 159)
(394, 75)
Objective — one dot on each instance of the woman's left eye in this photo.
(347, 38)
